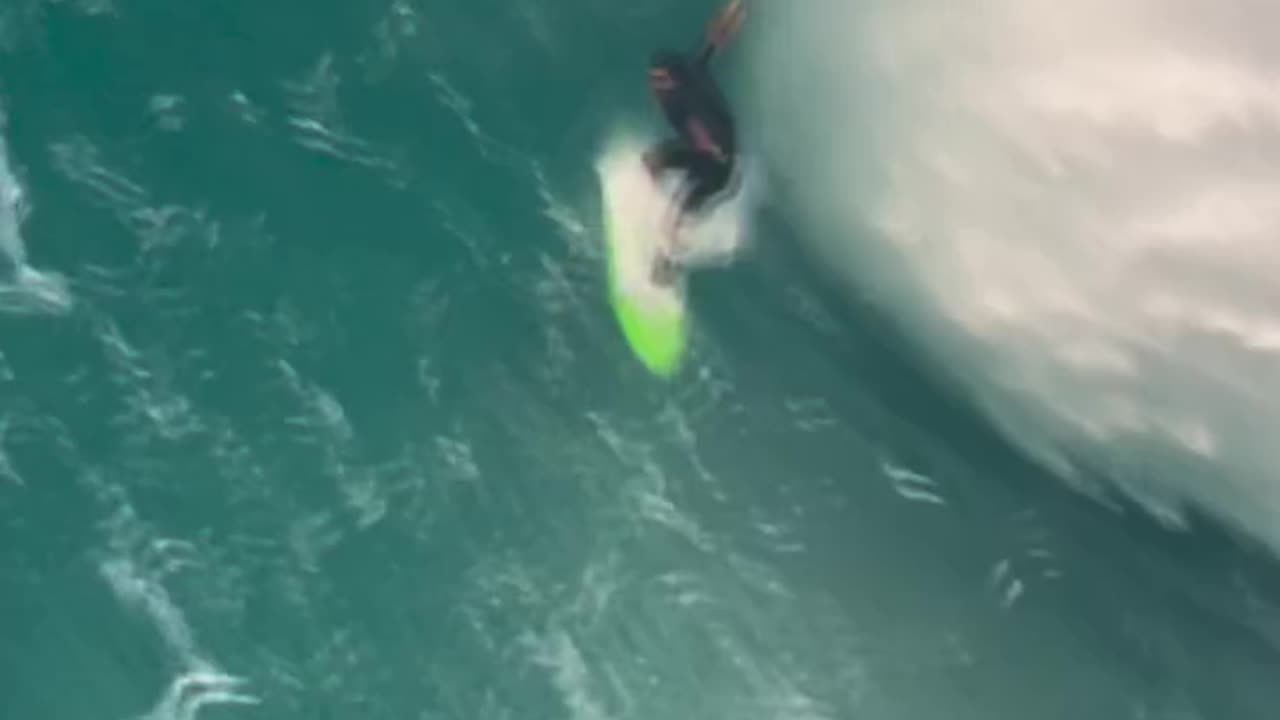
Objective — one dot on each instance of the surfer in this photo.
(703, 153)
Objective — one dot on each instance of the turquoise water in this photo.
(311, 407)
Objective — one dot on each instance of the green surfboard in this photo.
(652, 317)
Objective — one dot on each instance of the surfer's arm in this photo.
(721, 29)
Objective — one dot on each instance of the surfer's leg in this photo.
(673, 159)
(673, 155)
(706, 180)
(707, 177)
(677, 158)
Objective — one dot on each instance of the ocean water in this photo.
(311, 405)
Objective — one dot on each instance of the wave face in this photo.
(1073, 206)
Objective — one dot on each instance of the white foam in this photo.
(8, 473)
(722, 234)
(1075, 205)
(23, 289)
(200, 682)
(136, 564)
(33, 292)
(191, 691)
(570, 673)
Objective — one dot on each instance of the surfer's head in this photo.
(666, 71)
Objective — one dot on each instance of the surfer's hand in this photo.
(725, 25)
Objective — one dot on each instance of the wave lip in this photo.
(1072, 206)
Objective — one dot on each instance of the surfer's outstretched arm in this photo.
(721, 29)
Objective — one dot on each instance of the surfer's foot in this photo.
(651, 163)
(665, 272)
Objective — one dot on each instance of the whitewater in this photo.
(1072, 207)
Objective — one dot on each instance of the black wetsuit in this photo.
(705, 147)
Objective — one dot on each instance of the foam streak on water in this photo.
(1074, 206)
(199, 682)
(135, 567)
(23, 289)
(11, 208)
